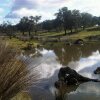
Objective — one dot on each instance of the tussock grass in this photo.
(22, 96)
(15, 76)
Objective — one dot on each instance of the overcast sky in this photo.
(15, 9)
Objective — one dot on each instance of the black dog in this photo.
(71, 77)
(97, 71)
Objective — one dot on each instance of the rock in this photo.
(79, 41)
(29, 46)
(39, 46)
(71, 77)
(97, 71)
(69, 43)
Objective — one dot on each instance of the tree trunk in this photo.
(76, 30)
(23, 33)
(83, 27)
(35, 32)
(65, 31)
(71, 30)
(10, 37)
(29, 33)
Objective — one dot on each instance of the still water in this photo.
(84, 59)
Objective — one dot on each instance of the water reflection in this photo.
(86, 66)
(68, 53)
(86, 91)
(84, 59)
(48, 67)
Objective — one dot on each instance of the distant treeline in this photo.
(65, 19)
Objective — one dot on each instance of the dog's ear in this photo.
(98, 68)
(67, 68)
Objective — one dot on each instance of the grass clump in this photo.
(15, 76)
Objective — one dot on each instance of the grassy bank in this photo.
(84, 34)
(74, 36)
(19, 44)
(81, 34)
(52, 36)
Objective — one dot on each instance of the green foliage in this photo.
(28, 24)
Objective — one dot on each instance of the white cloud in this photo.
(47, 8)
(29, 12)
(90, 6)
(1, 10)
(1, 19)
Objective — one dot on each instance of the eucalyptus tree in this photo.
(36, 20)
(23, 25)
(30, 24)
(95, 20)
(99, 21)
(76, 19)
(8, 29)
(64, 15)
(0, 28)
(47, 25)
(86, 20)
(26, 24)
(57, 23)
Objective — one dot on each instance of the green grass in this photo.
(80, 35)
(16, 43)
(84, 34)
(51, 34)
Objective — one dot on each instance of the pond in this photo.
(82, 58)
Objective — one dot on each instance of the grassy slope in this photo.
(51, 34)
(84, 34)
(80, 35)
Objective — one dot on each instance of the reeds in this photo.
(15, 76)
